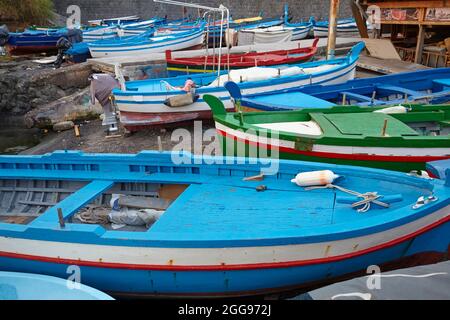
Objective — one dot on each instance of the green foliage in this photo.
(26, 11)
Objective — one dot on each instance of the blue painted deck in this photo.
(218, 205)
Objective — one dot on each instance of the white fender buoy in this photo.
(393, 110)
(315, 178)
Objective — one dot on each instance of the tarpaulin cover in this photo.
(78, 49)
(430, 282)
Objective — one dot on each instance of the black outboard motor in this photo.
(63, 45)
(4, 35)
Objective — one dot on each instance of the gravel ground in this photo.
(93, 139)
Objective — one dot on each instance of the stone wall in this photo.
(300, 9)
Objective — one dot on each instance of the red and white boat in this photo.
(210, 63)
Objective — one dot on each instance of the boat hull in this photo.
(151, 108)
(194, 249)
(341, 32)
(194, 40)
(238, 143)
(427, 247)
(133, 121)
(22, 44)
(197, 65)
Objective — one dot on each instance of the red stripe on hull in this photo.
(229, 267)
(328, 155)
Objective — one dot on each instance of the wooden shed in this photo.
(420, 30)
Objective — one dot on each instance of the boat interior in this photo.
(384, 94)
(24, 200)
(210, 80)
(209, 204)
(423, 122)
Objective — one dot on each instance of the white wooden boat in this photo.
(144, 103)
(156, 44)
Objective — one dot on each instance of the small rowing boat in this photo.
(400, 138)
(207, 227)
(210, 63)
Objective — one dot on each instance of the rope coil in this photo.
(367, 198)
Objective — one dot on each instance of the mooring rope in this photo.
(367, 198)
(94, 215)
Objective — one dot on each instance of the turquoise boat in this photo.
(27, 286)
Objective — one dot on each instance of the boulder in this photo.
(71, 108)
(63, 126)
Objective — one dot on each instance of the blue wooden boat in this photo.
(114, 21)
(27, 286)
(111, 30)
(424, 86)
(221, 230)
(34, 41)
(79, 52)
(345, 28)
(144, 103)
(300, 30)
(140, 27)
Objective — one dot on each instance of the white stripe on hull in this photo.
(214, 256)
(385, 151)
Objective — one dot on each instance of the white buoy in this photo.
(315, 178)
(393, 110)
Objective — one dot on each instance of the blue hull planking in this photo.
(123, 282)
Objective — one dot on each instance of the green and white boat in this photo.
(402, 138)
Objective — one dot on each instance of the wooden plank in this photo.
(172, 191)
(419, 47)
(381, 48)
(388, 66)
(19, 214)
(409, 4)
(76, 200)
(17, 220)
(24, 189)
(37, 203)
(360, 21)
